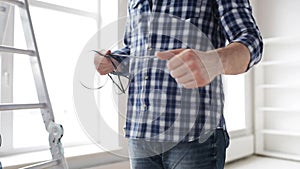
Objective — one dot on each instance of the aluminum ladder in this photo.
(55, 130)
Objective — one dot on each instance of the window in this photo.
(238, 115)
(235, 110)
(61, 31)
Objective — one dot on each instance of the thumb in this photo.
(166, 55)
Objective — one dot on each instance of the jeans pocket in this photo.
(227, 138)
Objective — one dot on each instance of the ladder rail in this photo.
(37, 69)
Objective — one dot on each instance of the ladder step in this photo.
(5, 107)
(14, 2)
(9, 49)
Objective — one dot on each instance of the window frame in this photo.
(242, 141)
(7, 119)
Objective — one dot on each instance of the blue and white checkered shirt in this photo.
(158, 108)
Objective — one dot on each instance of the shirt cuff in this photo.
(255, 46)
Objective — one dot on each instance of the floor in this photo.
(256, 162)
(253, 162)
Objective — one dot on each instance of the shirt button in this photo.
(149, 48)
(146, 77)
(145, 107)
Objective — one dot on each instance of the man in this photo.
(159, 131)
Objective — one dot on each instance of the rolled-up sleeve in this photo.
(124, 61)
(235, 17)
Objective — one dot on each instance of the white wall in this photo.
(277, 105)
(277, 17)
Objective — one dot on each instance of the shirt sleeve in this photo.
(235, 17)
(124, 62)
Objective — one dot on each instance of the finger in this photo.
(186, 57)
(103, 65)
(99, 54)
(100, 60)
(176, 61)
(104, 69)
(176, 51)
(166, 55)
(190, 85)
(186, 78)
(179, 71)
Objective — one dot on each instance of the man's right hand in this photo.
(103, 64)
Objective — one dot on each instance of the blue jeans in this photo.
(185, 155)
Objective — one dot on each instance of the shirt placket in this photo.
(148, 52)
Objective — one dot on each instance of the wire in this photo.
(126, 56)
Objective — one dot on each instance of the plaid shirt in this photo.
(158, 108)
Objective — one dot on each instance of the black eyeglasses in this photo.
(119, 79)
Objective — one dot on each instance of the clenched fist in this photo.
(192, 68)
(103, 64)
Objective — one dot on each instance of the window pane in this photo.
(235, 112)
(109, 12)
(29, 129)
(23, 84)
(27, 124)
